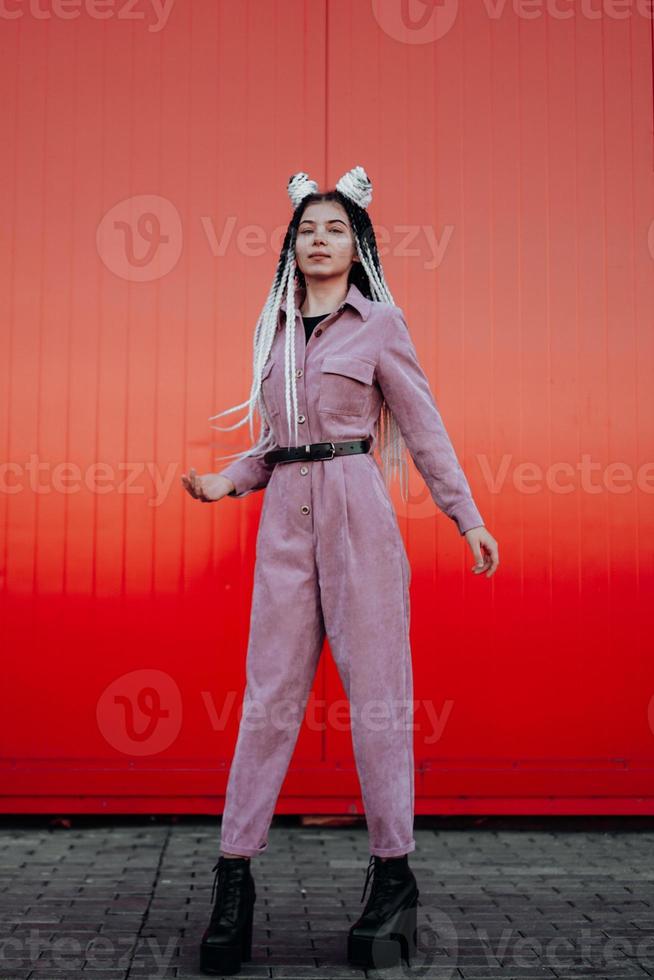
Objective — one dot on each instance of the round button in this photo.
(304, 470)
(318, 332)
(299, 373)
(305, 509)
(301, 418)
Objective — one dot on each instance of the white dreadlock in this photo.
(357, 187)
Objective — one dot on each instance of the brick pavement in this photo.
(500, 897)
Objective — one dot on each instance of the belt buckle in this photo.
(333, 453)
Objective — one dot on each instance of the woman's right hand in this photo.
(208, 487)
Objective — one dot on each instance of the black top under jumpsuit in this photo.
(310, 322)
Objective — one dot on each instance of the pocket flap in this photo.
(349, 365)
(267, 368)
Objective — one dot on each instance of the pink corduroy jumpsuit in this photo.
(330, 559)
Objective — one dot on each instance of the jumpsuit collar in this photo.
(354, 298)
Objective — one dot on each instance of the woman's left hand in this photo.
(484, 547)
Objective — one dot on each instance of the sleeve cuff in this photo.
(248, 474)
(234, 473)
(467, 516)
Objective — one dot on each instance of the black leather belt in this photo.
(316, 451)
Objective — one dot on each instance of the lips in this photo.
(318, 255)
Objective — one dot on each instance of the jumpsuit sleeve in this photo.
(248, 474)
(407, 393)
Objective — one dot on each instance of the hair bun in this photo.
(299, 187)
(356, 185)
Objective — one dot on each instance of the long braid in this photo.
(289, 354)
(354, 192)
(263, 339)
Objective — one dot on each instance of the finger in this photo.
(200, 489)
(479, 561)
(483, 559)
(190, 487)
(495, 560)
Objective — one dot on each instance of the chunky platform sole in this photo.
(226, 960)
(396, 938)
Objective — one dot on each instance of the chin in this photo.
(319, 274)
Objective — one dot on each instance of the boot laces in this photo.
(381, 882)
(228, 885)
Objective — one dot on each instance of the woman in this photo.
(330, 555)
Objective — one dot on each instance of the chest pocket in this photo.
(345, 385)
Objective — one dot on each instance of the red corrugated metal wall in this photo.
(143, 202)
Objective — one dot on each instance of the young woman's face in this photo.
(325, 247)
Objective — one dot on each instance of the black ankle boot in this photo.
(228, 938)
(387, 926)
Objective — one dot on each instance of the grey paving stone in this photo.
(499, 897)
